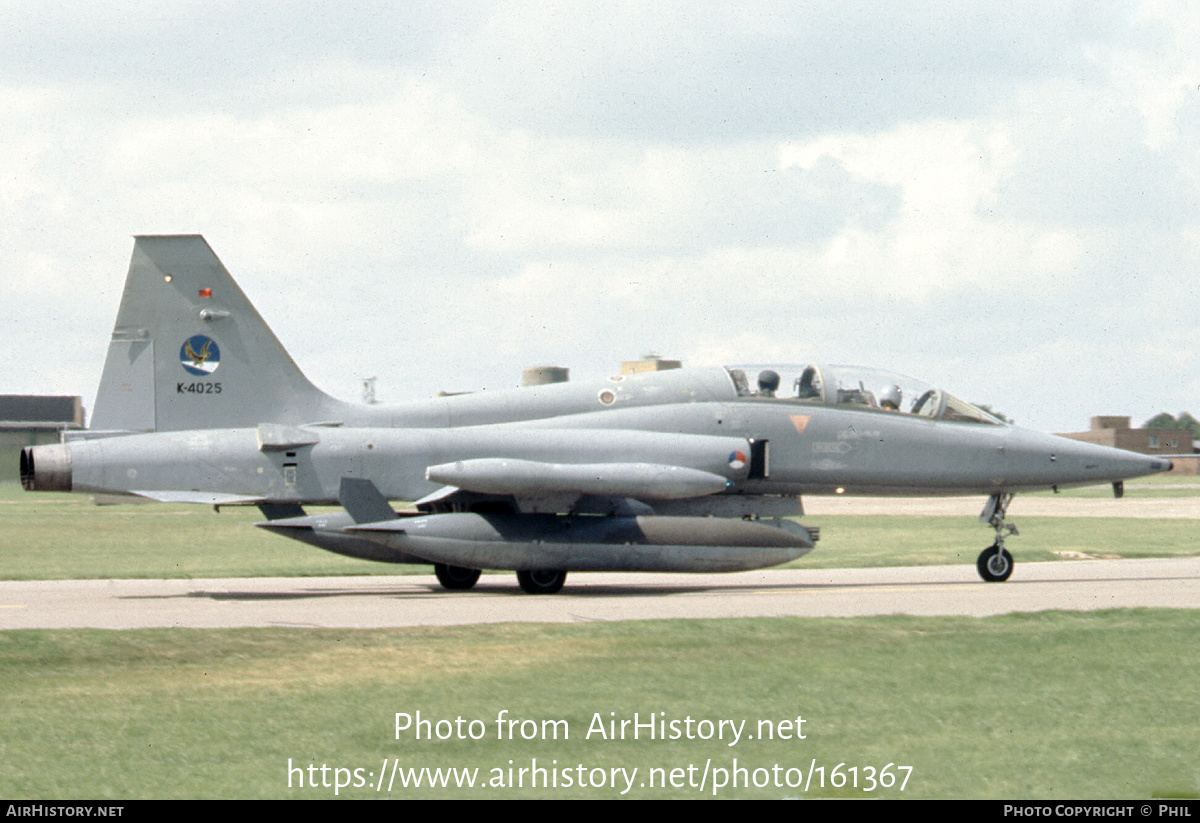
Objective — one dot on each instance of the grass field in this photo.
(1025, 706)
(1158, 485)
(58, 536)
(1049, 705)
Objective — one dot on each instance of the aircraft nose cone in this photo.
(1125, 463)
(1159, 465)
(1053, 460)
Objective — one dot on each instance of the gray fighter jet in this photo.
(682, 470)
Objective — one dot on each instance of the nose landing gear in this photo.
(995, 564)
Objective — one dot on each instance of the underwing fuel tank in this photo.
(328, 532)
(528, 477)
(591, 543)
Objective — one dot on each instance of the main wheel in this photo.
(455, 578)
(541, 581)
(994, 564)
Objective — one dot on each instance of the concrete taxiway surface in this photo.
(379, 602)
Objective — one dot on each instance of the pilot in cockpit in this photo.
(889, 398)
(768, 383)
(808, 385)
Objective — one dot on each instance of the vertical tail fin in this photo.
(189, 351)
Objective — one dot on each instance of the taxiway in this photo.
(417, 600)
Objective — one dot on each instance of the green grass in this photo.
(1164, 480)
(1022, 706)
(1094, 705)
(893, 540)
(1153, 486)
(62, 536)
(59, 536)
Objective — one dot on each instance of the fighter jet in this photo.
(684, 470)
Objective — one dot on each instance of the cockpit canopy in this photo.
(856, 387)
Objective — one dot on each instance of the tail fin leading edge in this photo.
(189, 351)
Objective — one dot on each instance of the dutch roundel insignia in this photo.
(737, 459)
(200, 355)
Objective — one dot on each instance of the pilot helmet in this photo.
(890, 397)
(768, 381)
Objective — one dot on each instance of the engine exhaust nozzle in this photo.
(46, 468)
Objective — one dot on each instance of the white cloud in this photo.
(973, 190)
(944, 236)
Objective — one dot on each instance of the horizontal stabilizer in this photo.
(531, 478)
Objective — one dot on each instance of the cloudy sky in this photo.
(1003, 199)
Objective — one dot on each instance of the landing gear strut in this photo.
(995, 564)
(455, 578)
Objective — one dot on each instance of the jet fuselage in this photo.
(801, 448)
(699, 469)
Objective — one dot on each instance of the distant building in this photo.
(650, 362)
(1116, 431)
(29, 420)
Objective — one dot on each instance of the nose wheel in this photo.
(995, 564)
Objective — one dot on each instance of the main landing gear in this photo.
(995, 564)
(455, 578)
(541, 581)
(538, 581)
